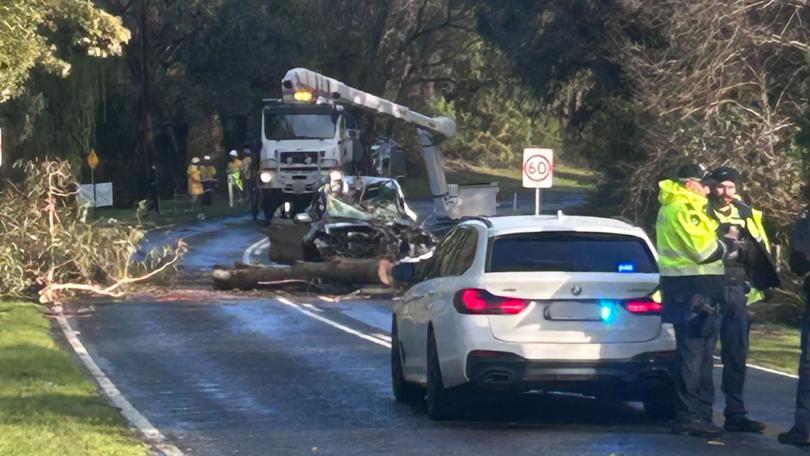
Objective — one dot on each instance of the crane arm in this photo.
(318, 85)
(300, 84)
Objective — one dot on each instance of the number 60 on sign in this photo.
(538, 167)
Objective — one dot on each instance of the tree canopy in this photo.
(627, 88)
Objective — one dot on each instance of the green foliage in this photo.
(493, 129)
(48, 242)
(49, 404)
(27, 31)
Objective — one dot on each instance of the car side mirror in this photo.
(353, 134)
(404, 273)
(302, 217)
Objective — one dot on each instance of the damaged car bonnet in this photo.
(364, 217)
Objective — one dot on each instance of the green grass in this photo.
(775, 347)
(48, 405)
(509, 179)
(174, 212)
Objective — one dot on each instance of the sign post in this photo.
(92, 160)
(538, 172)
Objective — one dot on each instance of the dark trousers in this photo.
(208, 193)
(694, 383)
(734, 341)
(803, 390)
(253, 197)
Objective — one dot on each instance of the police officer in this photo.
(799, 434)
(691, 267)
(748, 261)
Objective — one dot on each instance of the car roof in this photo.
(537, 223)
(371, 180)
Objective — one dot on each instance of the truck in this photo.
(310, 137)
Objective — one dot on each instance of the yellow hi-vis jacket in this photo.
(751, 220)
(686, 237)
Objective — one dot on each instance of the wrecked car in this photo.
(362, 217)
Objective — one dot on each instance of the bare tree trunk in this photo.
(339, 270)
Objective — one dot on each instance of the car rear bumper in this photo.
(632, 379)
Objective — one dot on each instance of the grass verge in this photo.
(775, 347)
(174, 212)
(509, 179)
(48, 405)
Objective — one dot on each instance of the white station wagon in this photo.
(533, 303)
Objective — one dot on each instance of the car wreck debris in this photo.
(352, 217)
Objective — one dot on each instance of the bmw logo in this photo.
(576, 290)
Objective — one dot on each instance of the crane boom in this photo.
(301, 79)
(301, 82)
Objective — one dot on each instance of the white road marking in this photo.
(334, 324)
(311, 307)
(765, 369)
(384, 337)
(255, 249)
(370, 315)
(135, 418)
(385, 341)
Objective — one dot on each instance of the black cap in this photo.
(692, 171)
(724, 173)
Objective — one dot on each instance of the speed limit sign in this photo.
(538, 167)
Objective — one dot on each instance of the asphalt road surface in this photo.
(258, 374)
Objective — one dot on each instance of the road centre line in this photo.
(108, 388)
(258, 245)
(378, 339)
(334, 324)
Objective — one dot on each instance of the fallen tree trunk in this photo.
(348, 271)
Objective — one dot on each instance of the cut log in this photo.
(286, 242)
(347, 271)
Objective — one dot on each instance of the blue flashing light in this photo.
(607, 312)
(627, 267)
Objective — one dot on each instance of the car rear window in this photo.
(570, 252)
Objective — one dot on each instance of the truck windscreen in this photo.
(299, 126)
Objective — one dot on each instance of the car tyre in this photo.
(660, 406)
(441, 402)
(404, 391)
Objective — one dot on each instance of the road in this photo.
(255, 374)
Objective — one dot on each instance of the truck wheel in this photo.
(271, 201)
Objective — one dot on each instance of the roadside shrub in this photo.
(49, 248)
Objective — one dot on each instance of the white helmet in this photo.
(195, 160)
(206, 157)
(233, 153)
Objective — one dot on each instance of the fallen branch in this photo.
(49, 292)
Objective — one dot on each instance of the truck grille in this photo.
(299, 158)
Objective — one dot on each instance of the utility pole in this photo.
(147, 145)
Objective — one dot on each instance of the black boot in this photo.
(741, 423)
(699, 428)
(794, 437)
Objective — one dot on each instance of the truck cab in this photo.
(302, 143)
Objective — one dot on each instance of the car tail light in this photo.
(643, 306)
(474, 301)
